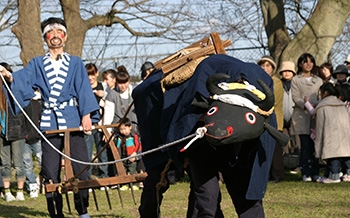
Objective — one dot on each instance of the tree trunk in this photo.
(28, 30)
(316, 37)
(76, 27)
(320, 32)
(275, 26)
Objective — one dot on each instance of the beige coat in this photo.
(301, 119)
(332, 129)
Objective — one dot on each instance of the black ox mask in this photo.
(238, 112)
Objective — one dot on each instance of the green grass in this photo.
(290, 198)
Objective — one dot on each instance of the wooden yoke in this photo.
(120, 178)
(204, 47)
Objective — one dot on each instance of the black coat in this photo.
(167, 117)
(148, 101)
(34, 112)
(15, 126)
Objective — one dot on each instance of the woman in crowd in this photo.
(287, 73)
(12, 140)
(118, 101)
(95, 138)
(277, 168)
(326, 72)
(305, 84)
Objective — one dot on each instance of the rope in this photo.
(89, 163)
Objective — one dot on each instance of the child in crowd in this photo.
(127, 144)
(331, 133)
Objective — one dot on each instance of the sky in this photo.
(125, 50)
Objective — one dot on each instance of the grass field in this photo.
(290, 198)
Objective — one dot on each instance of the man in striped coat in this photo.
(68, 101)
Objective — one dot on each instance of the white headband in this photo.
(243, 102)
(49, 27)
(236, 100)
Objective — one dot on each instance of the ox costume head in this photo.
(237, 111)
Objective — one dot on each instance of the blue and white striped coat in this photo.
(74, 98)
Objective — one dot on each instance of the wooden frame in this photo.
(206, 46)
(120, 178)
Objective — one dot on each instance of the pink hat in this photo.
(287, 66)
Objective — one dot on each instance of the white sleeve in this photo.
(108, 114)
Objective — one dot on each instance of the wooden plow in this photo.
(73, 184)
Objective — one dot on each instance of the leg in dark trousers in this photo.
(150, 199)
(277, 167)
(79, 152)
(112, 170)
(236, 171)
(307, 162)
(51, 168)
(50, 171)
(203, 172)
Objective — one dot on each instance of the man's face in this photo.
(55, 38)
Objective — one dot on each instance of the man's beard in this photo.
(59, 44)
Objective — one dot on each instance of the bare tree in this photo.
(119, 12)
(28, 30)
(7, 20)
(318, 34)
(287, 28)
(282, 28)
(7, 14)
